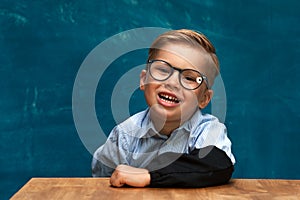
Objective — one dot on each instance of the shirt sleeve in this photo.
(100, 170)
(201, 168)
(108, 156)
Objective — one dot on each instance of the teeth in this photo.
(169, 99)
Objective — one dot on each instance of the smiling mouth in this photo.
(168, 98)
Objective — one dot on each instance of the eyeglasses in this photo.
(189, 79)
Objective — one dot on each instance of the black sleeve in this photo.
(196, 169)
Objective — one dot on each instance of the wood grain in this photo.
(99, 188)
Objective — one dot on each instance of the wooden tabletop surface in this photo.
(99, 188)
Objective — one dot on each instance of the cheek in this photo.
(197, 97)
(193, 99)
(200, 97)
(149, 90)
(151, 84)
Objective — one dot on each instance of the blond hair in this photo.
(187, 37)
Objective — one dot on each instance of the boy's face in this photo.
(168, 98)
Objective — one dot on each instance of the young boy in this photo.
(172, 143)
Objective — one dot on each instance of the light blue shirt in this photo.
(136, 142)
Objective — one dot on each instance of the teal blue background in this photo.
(43, 43)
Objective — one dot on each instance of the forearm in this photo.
(132, 176)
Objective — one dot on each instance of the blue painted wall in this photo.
(43, 43)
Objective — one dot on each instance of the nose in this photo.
(173, 81)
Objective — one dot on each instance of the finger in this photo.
(116, 180)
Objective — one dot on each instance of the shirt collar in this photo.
(149, 129)
(193, 121)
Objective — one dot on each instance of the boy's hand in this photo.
(124, 174)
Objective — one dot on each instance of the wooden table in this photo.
(99, 188)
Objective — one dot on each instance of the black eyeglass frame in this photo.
(149, 62)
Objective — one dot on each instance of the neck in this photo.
(163, 125)
(169, 128)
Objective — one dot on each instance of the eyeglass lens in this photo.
(188, 78)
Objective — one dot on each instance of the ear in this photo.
(205, 99)
(143, 79)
